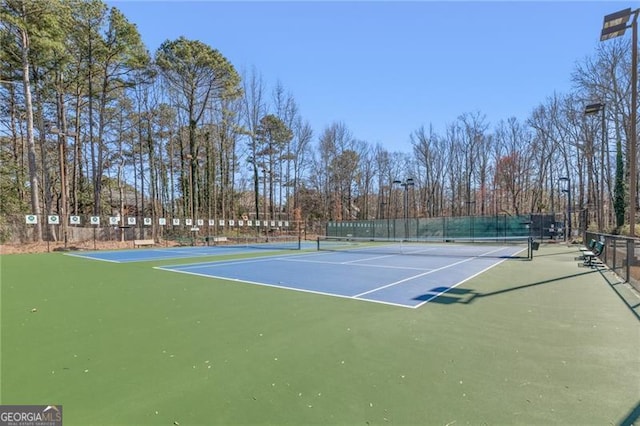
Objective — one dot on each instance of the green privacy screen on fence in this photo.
(443, 227)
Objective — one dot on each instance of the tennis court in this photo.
(395, 273)
(166, 253)
(525, 342)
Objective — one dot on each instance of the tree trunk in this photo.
(33, 168)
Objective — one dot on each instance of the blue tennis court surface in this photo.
(395, 279)
(143, 255)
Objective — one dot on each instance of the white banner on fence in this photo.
(176, 222)
(212, 222)
(232, 222)
(53, 219)
(74, 220)
(114, 220)
(31, 219)
(131, 221)
(200, 222)
(249, 223)
(221, 222)
(188, 222)
(241, 222)
(94, 220)
(147, 221)
(162, 221)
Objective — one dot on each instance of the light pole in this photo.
(192, 200)
(594, 109)
(615, 25)
(471, 215)
(264, 195)
(191, 194)
(567, 234)
(405, 184)
(62, 149)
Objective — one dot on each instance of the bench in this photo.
(591, 256)
(185, 241)
(215, 240)
(588, 247)
(141, 243)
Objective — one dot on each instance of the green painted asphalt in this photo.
(527, 342)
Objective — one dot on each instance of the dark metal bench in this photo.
(591, 256)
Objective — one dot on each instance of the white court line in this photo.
(91, 258)
(421, 275)
(353, 297)
(125, 259)
(129, 260)
(458, 283)
(217, 263)
(351, 263)
(282, 287)
(168, 250)
(369, 258)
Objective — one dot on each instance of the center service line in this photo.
(418, 276)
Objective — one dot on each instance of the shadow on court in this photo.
(576, 319)
(632, 417)
(555, 254)
(618, 287)
(467, 296)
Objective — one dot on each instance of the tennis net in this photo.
(280, 242)
(501, 247)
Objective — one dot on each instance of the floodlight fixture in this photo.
(593, 108)
(615, 24)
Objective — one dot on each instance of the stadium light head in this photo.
(615, 24)
(405, 184)
(593, 108)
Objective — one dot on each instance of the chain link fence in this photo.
(468, 227)
(620, 255)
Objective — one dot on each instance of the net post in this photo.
(318, 243)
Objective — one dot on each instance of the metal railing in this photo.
(620, 255)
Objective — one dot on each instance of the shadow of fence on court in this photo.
(468, 296)
(459, 295)
(632, 417)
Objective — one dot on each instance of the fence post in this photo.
(629, 262)
(614, 249)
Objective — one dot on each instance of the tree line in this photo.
(93, 123)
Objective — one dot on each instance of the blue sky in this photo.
(386, 68)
